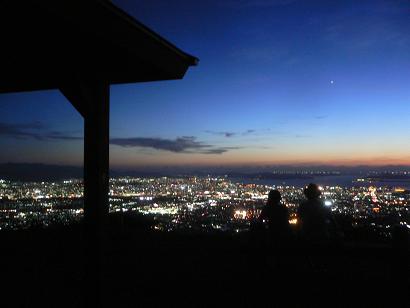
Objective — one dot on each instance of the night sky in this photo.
(278, 82)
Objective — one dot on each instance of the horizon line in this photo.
(262, 165)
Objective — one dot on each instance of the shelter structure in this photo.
(81, 48)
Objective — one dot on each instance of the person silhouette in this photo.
(277, 217)
(314, 218)
(319, 233)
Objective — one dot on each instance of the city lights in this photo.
(194, 203)
(293, 221)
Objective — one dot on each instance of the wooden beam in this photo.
(74, 95)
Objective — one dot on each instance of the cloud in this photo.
(178, 145)
(230, 134)
(225, 134)
(61, 136)
(249, 131)
(320, 117)
(20, 131)
(185, 144)
(34, 130)
(261, 132)
(219, 150)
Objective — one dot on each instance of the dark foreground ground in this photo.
(142, 268)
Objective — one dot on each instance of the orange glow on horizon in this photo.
(120, 157)
(253, 163)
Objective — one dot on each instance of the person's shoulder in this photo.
(264, 209)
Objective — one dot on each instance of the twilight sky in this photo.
(278, 82)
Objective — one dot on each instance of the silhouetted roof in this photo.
(45, 43)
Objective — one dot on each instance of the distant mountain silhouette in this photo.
(46, 172)
(38, 172)
(252, 170)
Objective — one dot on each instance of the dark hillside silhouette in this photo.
(146, 268)
(38, 172)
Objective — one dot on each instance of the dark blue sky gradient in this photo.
(278, 82)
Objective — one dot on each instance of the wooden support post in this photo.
(96, 183)
(91, 99)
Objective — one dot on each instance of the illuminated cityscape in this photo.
(207, 204)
